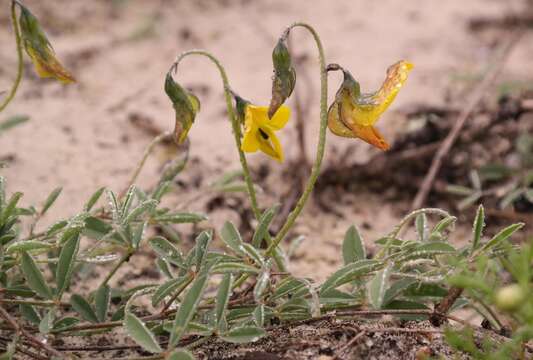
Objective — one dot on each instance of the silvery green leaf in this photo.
(242, 335)
(254, 254)
(64, 324)
(170, 287)
(30, 314)
(82, 307)
(224, 268)
(263, 280)
(47, 322)
(34, 277)
(422, 229)
(166, 250)
(10, 207)
(222, 299)
(138, 331)
(51, 199)
(128, 200)
(28, 246)
(101, 302)
(378, 287)
(146, 206)
(353, 247)
(187, 309)
(501, 236)
(259, 315)
(231, 237)
(262, 227)
(287, 286)
(12, 122)
(350, 272)
(93, 199)
(479, 224)
(179, 218)
(202, 243)
(396, 289)
(65, 264)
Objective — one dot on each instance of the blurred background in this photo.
(92, 134)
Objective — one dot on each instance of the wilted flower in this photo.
(259, 130)
(186, 106)
(284, 78)
(353, 114)
(40, 50)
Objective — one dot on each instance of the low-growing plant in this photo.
(234, 295)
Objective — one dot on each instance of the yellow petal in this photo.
(371, 135)
(370, 107)
(334, 123)
(280, 118)
(257, 114)
(250, 142)
(270, 145)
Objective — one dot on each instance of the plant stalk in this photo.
(321, 140)
(20, 67)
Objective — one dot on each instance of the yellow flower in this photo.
(354, 114)
(259, 130)
(40, 50)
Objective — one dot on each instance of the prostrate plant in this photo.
(254, 289)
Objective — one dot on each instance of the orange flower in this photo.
(353, 114)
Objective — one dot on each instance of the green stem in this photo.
(121, 262)
(321, 140)
(20, 67)
(149, 149)
(237, 135)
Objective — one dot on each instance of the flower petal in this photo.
(270, 144)
(250, 142)
(257, 114)
(335, 125)
(280, 118)
(371, 135)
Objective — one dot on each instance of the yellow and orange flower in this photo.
(353, 114)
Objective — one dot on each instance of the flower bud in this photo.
(284, 77)
(510, 297)
(185, 104)
(40, 50)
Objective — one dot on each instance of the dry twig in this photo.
(476, 97)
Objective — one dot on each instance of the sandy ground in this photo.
(81, 136)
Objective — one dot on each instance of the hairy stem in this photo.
(321, 140)
(121, 262)
(149, 149)
(237, 135)
(20, 67)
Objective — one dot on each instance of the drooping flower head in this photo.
(259, 129)
(186, 106)
(40, 50)
(353, 114)
(284, 78)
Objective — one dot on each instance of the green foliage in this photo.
(507, 184)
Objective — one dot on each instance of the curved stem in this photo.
(237, 134)
(321, 139)
(234, 122)
(151, 146)
(20, 67)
